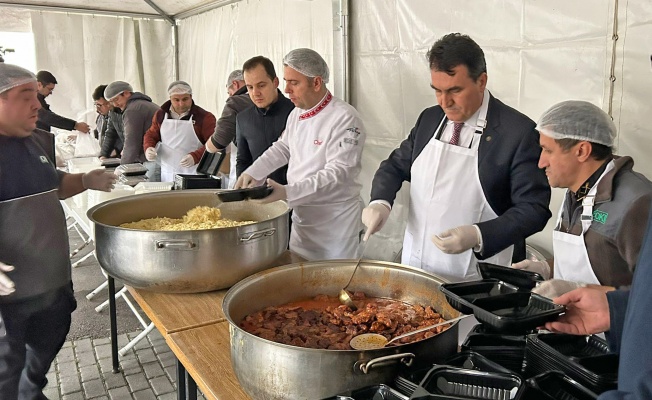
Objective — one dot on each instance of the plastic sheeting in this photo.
(215, 43)
(84, 51)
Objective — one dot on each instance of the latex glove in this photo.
(587, 312)
(187, 161)
(99, 179)
(540, 267)
(556, 287)
(7, 286)
(374, 217)
(245, 181)
(150, 154)
(82, 127)
(277, 194)
(457, 240)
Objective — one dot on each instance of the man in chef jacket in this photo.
(602, 220)
(322, 146)
(476, 191)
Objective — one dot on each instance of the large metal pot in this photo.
(187, 261)
(270, 370)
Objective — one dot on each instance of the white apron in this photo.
(232, 164)
(327, 231)
(178, 139)
(571, 258)
(445, 193)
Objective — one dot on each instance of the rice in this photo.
(201, 217)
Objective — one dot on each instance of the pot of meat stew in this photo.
(271, 370)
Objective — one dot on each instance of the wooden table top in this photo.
(174, 312)
(205, 352)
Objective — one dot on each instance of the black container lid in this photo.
(210, 163)
(524, 280)
(257, 192)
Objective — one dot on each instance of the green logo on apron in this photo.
(600, 216)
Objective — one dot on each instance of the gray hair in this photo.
(234, 76)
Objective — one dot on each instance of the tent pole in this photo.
(341, 49)
(74, 10)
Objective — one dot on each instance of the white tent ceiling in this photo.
(172, 8)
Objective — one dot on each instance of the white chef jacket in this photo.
(322, 148)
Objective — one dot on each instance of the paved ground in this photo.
(82, 369)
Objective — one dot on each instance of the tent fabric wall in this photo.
(84, 51)
(215, 43)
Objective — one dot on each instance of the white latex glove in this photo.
(82, 127)
(374, 217)
(99, 179)
(245, 181)
(278, 193)
(6, 285)
(187, 161)
(540, 267)
(556, 287)
(150, 154)
(457, 240)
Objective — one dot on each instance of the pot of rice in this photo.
(187, 241)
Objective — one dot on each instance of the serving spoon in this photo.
(344, 296)
(370, 341)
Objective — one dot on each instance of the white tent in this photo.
(538, 52)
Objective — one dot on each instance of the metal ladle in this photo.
(370, 341)
(344, 296)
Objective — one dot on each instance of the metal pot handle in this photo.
(366, 366)
(257, 235)
(175, 244)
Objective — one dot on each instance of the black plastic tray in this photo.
(378, 392)
(462, 296)
(189, 181)
(110, 162)
(554, 385)
(516, 312)
(210, 163)
(524, 280)
(443, 382)
(258, 192)
(507, 351)
(583, 358)
(476, 361)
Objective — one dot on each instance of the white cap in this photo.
(578, 120)
(12, 76)
(179, 87)
(307, 62)
(115, 88)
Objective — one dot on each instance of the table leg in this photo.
(192, 387)
(181, 381)
(114, 326)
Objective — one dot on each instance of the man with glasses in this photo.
(47, 118)
(109, 130)
(224, 135)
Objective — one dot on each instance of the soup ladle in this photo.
(370, 341)
(344, 296)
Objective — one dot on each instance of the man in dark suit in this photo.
(476, 191)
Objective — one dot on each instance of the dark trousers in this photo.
(36, 330)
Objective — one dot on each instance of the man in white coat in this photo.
(322, 146)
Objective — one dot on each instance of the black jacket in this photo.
(256, 129)
(516, 189)
(47, 119)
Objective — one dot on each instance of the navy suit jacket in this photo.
(516, 189)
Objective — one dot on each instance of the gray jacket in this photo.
(136, 117)
(225, 128)
(114, 134)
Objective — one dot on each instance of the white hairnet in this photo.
(579, 120)
(12, 76)
(234, 76)
(307, 62)
(115, 88)
(179, 87)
